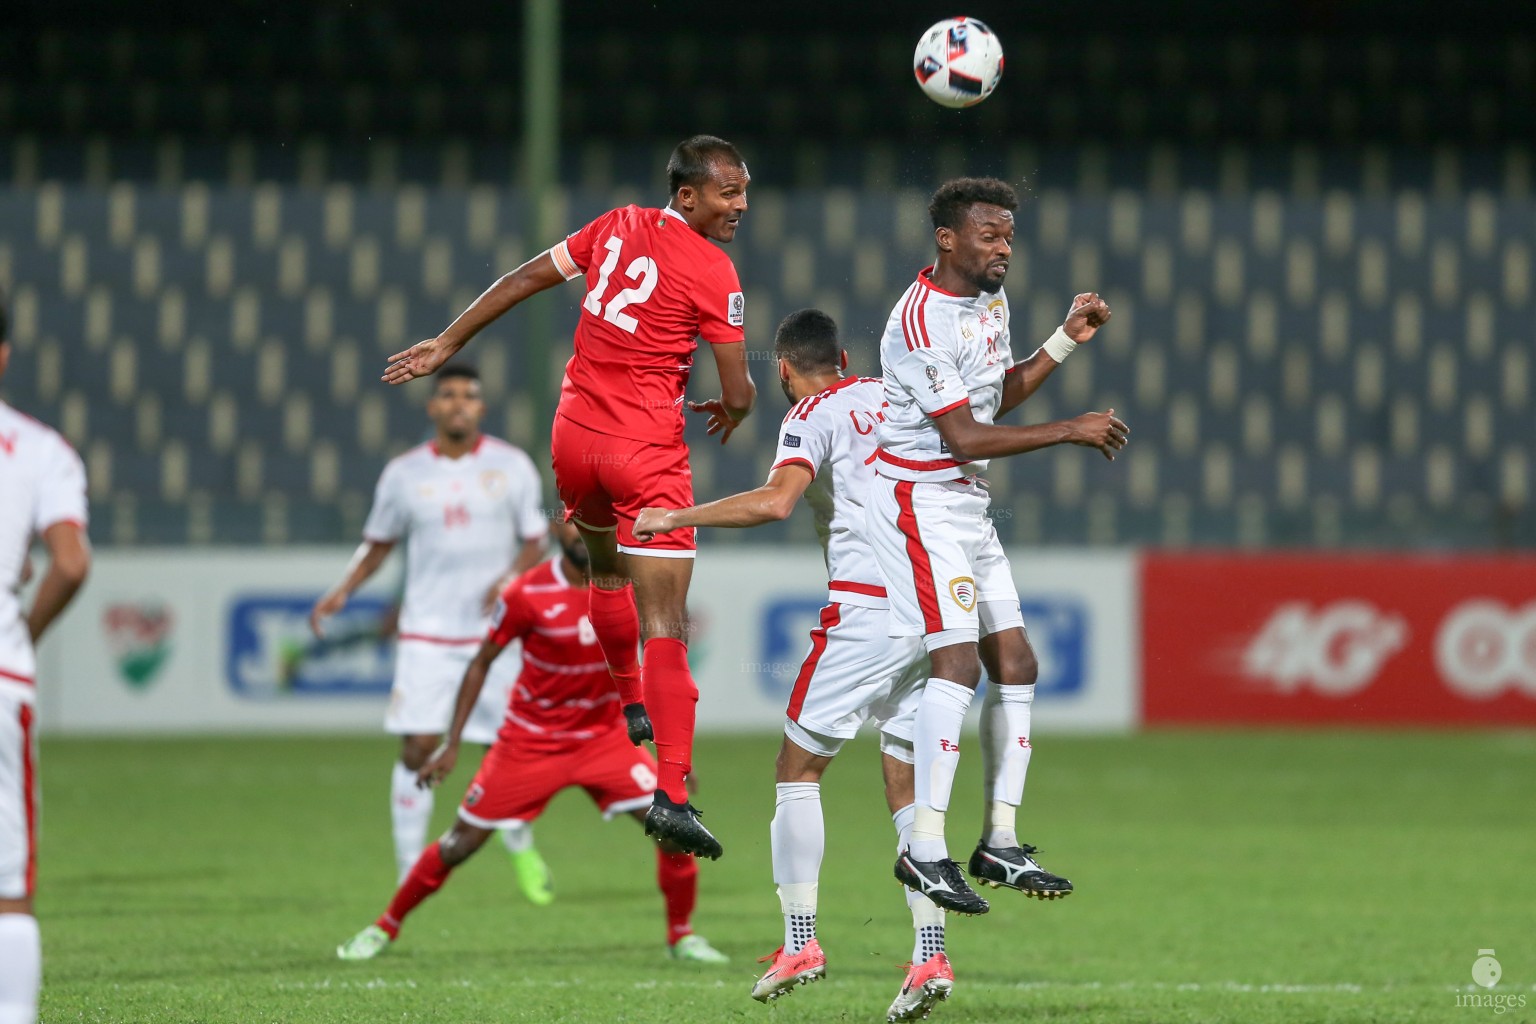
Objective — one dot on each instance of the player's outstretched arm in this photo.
(968, 440)
(426, 357)
(1087, 315)
(440, 764)
(773, 501)
(737, 392)
(370, 554)
(69, 562)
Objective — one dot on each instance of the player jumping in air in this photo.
(468, 507)
(42, 494)
(654, 284)
(563, 728)
(949, 372)
(854, 672)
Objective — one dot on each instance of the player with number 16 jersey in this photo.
(655, 284)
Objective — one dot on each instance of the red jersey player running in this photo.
(563, 728)
(655, 283)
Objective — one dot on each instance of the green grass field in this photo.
(1221, 876)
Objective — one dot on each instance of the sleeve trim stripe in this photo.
(951, 407)
(560, 253)
(796, 462)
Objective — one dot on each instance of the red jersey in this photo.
(653, 286)
(564, 694)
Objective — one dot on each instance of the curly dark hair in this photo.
(952, 203)
(807, 338)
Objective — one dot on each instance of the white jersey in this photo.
(42, 482)
(833, 434)
(939, 352)
(463, 520)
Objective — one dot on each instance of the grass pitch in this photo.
(1221, 876)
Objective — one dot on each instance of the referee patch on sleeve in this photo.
(735, 309)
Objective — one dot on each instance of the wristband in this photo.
(1058, 346)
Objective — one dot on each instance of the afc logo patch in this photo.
(473, 796)
(935, 382)
(735, 309)
(963, 590)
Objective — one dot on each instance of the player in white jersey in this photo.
(854, 672)
(42, 494)
(468, 507)
(947, 365)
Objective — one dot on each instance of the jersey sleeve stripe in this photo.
(796, 462)
(15, 678)
(908, 335)
(561, 254)
(951, 407)
(921, 315)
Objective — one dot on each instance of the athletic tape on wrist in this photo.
(1058, 346)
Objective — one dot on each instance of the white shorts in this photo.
(18, 798)
(856, 673)
(940, 557)
(427, 678)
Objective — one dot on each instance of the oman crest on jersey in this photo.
(139, 636)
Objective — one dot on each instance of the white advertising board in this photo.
(758, 606)
(216, 640)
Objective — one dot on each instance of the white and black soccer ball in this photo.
(958, 62)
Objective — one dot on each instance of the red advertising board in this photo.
(1346, 640)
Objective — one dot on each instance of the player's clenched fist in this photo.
(1088, 314)
(439, 766)
(1101, 430)
(652, 521)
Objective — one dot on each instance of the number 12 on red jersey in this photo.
(642, 269)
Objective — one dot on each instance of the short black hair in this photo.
(807, 338)
(694, 158)
(952, 203)
(458, 371)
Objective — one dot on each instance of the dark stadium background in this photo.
(1313, 221)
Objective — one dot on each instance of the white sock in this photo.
(410, 810)
(797, 837)
(927, 918)
(936, 739)
(1005, 753)
(518, 837)
(21, 968)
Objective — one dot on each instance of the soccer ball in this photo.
(958, 62)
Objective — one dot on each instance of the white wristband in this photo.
(1058, 346)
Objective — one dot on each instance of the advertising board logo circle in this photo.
(1485, 647)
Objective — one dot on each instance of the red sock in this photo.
(426, 877)
(617, 624)
(670, 697)
(677, 876)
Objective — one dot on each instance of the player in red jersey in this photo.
(563, 728)
(655, 284)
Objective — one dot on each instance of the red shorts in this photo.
(515, 783)
(604, 482)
